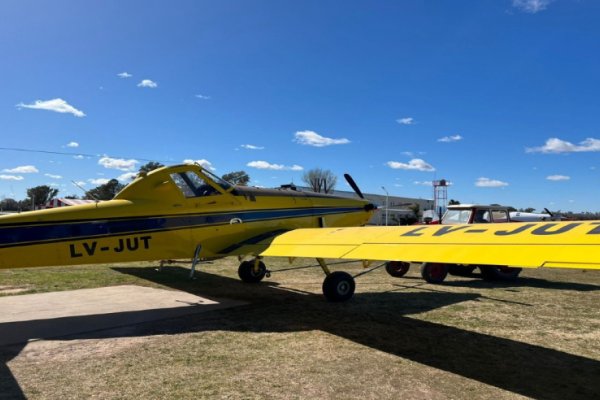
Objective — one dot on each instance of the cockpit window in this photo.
(219, 181)
(192, 185)
(455, 217)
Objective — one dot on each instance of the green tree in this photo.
(150, 166)
(237, 178)
(40, 195)
(319, 180)
(106, 191)
(453, 202)
(9, 204)
(415, 208)
(24, 205)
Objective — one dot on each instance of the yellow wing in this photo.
(531, 245)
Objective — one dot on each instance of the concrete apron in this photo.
(49, 315)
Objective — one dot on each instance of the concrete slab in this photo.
(47, 315)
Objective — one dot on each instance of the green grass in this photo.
(397, 338)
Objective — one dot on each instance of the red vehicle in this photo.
(458, 215)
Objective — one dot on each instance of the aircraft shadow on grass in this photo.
(378, 320)
(522, 282)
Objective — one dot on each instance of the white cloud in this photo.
(53, 176)
(124, 75)
(555, 145)
(423, 183)
(448, 139)
(310, 138)
(78, 157)
(487, 182)
(203, 163)
(56, 105)
(127, 177)
(79, 183)
(98, 181)
(148, 84)
(531, 6)
(72, 144)
(24, 169)
(275, 167)
(416, 164)
(558, 178)
(118, 163)
(11, 178)
(406, 121)
(252, 147)
(203, 97)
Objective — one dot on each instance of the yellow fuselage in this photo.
(154, 218)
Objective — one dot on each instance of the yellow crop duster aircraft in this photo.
(185, 211)
(574, 244)
(176, 212)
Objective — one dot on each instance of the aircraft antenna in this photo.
(84, 191)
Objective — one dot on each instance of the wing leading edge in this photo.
(528, 245)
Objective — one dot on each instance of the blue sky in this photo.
(499, 97)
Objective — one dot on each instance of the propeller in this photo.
(353, 185)
(548, 212)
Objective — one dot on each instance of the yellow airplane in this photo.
(185, 211)
(574, 244)
(176, 212)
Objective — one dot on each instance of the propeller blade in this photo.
(353, 185)
(548, 212)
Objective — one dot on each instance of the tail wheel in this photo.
(434, 272)
(397, 269)
(499, 272)
(338, 286)
(249, 274)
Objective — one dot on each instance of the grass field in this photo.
(397, 338)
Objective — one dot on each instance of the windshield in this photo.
(455, 217)
(192, 185)
(219, 181)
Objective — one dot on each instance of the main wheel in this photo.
(397, 269)
(434, 272)
(247, 273)
(461, 270)
(338, 286)
(499, 272)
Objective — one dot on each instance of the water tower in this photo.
(440, 197)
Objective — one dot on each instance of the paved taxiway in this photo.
(49, 315)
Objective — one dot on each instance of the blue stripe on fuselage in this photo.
(47, 232)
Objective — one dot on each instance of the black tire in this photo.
(461, 270)
(499, 273)
(338, 286)
(247, 273)
(434, 272)
(397, 269)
